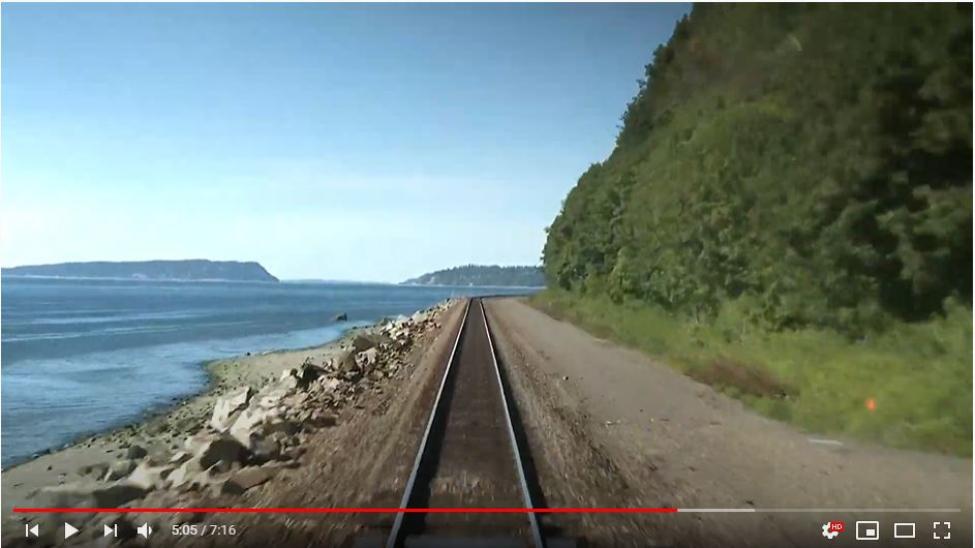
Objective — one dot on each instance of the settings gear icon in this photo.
(829, 531)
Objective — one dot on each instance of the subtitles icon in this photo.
(868, 530)
(831, 529)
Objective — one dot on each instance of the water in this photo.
(84, 356)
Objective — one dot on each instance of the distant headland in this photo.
(481, 275)
(193, 269)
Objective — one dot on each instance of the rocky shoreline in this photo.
(251, 422)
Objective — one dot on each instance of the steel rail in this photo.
(394, 535)
(538, 541)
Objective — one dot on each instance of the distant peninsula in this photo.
(480, 275)
(194, 269)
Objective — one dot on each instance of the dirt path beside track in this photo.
(608, 426)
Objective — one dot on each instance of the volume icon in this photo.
(144, 530)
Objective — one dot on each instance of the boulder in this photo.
(249, 424)
(362, 342)
(135, 452)
(188, 474)
(308, 372)
(289, 380)
(97, 470)
(329, 384)
(321, 419)
(367, 358)
(271, 396)
(120, 469)
(115, 495)
(400, 334)
(345, 361)
(66, 495)
(90, 495)
(148, 477)
(265, 449)
(195, 443)
(223, 451)
(227, 406)
(254, 424)
(246, 478)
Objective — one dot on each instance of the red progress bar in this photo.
(22, 510)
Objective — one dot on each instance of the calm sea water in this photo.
(83, 356)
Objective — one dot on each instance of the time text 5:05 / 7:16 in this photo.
(200, 530)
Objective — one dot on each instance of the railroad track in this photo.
(470, 458)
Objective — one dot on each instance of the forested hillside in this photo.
(192, 269)
(483, 275)
(787, 216)
(811, 162)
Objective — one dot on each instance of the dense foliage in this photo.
(811, 161)
(481, 275)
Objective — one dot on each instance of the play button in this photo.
(69, 530)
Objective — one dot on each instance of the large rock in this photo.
(195, 443)
(120, 469)
(135, 452)
(189, 474)
(223, 451)
(149, 477)
(256, 423)
(271, 396)
(246, 478)
(367, 358)
(289, 380)
(226, 408)
(400, 333)
(300, 377)
(90, 495)
(96, 470)
(308, 373)
(345, 361)
(362, 342)
(329, 384)
(321, 419)
(265, 449)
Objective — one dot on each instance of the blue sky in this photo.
(368, 142)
